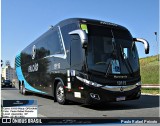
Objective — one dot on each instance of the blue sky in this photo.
(25, 20)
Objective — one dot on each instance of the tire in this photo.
(60, 94)
(20, 88)
(24, 92)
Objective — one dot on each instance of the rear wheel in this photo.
(24, 92)
(20, 88)
(60, 94)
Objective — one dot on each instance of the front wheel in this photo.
(60, 94)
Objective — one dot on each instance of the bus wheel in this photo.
(60, 94)
(23, 90)
(20, 89)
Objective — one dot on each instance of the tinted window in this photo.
(106, 45)
(54, 43)
(41, 48)
(122, 34)
(7, 81)
(51, 44)
(95, 30)
(76, 52)
(26, 56)
(66, 37)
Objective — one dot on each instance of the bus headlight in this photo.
(138, 83)
(95, 84)
(87, 82)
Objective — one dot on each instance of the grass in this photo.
(150, 90)
(150, 70)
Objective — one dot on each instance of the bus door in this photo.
(76, 61)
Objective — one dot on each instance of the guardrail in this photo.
(150, 86)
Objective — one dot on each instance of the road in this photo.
(146, 106)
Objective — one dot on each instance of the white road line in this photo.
(2, 98)
(39, 115)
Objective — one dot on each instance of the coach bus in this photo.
(82, 60)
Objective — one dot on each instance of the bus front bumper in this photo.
(112, 93)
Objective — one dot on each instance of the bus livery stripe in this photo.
(27, 85)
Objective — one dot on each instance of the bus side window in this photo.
(67, 38)
(54, 43)
(27, 56)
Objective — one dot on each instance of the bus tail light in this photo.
(69, 90)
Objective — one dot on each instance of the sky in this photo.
(22, 21)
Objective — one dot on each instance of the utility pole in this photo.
(157, 46)
(1, 63)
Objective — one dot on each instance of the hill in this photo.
(150, 70)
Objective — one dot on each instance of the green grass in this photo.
(150, 70)
(150, 90)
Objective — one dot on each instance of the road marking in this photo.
(39, 115)
(2, 98)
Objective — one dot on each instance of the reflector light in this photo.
(69, 90)
(80, 87)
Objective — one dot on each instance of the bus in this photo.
(82, 60)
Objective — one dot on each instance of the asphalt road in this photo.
(146, 106)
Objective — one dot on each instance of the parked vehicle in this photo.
(6, 83)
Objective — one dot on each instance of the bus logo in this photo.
(33, 51)
(33, 68)
(121, 89)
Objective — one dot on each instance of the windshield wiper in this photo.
(126, 62)
(108, 67)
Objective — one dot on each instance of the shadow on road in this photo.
(7, 88)
(146, 101)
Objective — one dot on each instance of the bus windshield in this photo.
(111, 50)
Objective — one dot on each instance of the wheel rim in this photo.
(60, 93)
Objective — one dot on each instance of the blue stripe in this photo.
(30, 102)
(18, 59)
(18, 55)
(26, 84)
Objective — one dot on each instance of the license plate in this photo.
(120, 98)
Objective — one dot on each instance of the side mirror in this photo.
(145, 42)
(83, 36)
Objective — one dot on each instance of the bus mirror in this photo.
(83, 36)
(145, 42)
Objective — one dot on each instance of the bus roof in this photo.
(89, 21)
